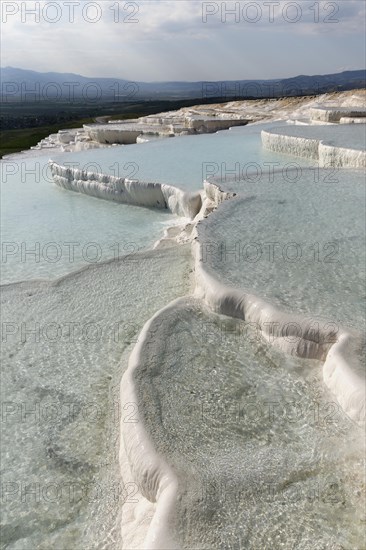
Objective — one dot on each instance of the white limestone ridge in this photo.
(201, 119)
(128, 191)
(156, 480)
(341, 366)
(341, 373)
(327, 149)
(127, 132)
(337, 113)
(324, 151)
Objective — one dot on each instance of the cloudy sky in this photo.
(154, 40)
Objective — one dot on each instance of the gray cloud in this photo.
(171, 38)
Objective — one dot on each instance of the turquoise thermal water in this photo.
(264, 456)
(47, 232)
(65, 345)
(296, 239)
(54, 446)
(183, 161)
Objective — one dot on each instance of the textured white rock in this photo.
(340, 371)
(352, 120)
(177, 122)
(300, 147)
(328, 150)
(154, 476)
(343, 380)
(123, 190)
(334, 114)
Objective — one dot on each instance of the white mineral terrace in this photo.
(194, 359)
(331, 145)
(160, 453)
(148, 447)
(126, 132)
(205, 119)
(128, 191)
(336, 114)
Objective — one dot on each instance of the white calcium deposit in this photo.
(341, 371)
(170, 453)
(126, 191)
(339, 145)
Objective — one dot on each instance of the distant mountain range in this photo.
(20, 84)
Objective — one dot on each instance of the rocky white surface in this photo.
(150, 523)
(206, 119)
(341, 145)
(342, 374)
(128, 191)
(341, 367)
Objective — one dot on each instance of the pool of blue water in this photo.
(184, 161)
(47, 232)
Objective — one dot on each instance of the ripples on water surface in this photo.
(265, 456)
(63, 354)
(300, 244)
(47, 232)
(248, 479)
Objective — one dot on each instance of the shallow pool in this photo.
(47, 232)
